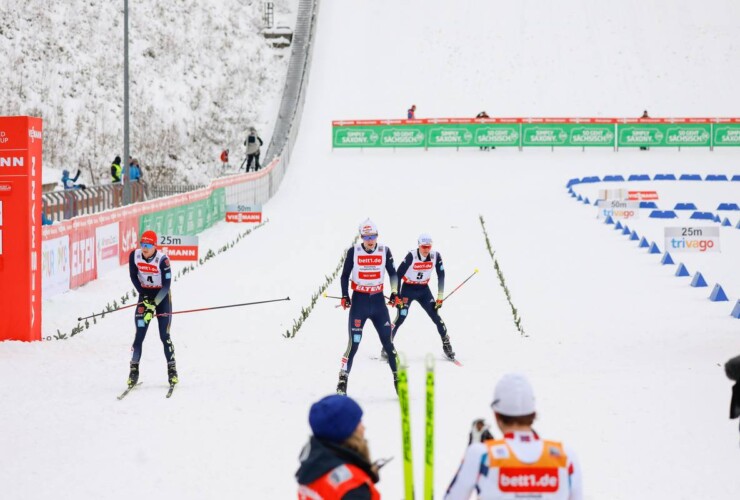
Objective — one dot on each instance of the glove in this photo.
(346, 302)
(395, 301)
(479, 432)
(438, 305)
(150, 309)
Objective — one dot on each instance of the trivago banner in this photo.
(536, 132)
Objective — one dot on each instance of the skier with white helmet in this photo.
(415, 272)
(365, 266)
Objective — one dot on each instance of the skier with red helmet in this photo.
(151, 274)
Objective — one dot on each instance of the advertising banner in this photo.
(107, 247)
(179, 247)
(128, 237)
(82, 257)
(20, 228)
(727, 133)
(568, 134)
(244, 213)
(55, 266)
(658, 133)
(692, 239)
(618, 209)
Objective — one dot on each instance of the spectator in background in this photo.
(411, 112)
(335, 464)
(732, 369)
(134, 170)
(644, 115)
(45, 221)
(69, 182)
(115, 170)
(253, 142)
(504, 468)
(483, 114)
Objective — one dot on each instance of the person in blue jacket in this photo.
(69, 182)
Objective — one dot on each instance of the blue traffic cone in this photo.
(698, 280)
(726, 223)
(667, 259)
(718, 295)
(682, 271)
(608, 220)
(633, 236)
(736, 310)
(654, 248)
(643, 243)
(626, 230)
(618, 225)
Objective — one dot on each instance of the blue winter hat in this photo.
(334, 418)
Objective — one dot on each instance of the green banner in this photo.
(552, 134)
(497, 134)
(726, 134)
(568, 134)
(664, 135)
(187, 219)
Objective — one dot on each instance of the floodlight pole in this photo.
(124, 161)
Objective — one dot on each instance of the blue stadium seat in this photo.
(702, 216)
(639, 177)
(728, 206)
(715, 177)
(616, 178)
(663, 214)
(684, 206)
(690, 177)
(664, 177)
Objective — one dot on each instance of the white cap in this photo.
(513, 396)
(425, 239)
(367, 227)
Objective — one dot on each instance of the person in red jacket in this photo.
(411, 112)
(335, 464)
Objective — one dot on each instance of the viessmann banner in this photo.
(537, 132)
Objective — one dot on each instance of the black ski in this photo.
(169, 391)
(129, 389)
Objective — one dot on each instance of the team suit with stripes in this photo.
(415, 272)
(366, 270)
(152, 278)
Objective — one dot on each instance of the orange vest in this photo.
(546, 475)
(336, 483)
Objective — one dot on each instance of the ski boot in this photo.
(447, 348)
(342, 384)
(383, 354)
(172, 373)
(133, 375)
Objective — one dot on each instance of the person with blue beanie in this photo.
(335, 463)
(69, 182)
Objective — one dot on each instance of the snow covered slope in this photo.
(624, 357)
(200, 75)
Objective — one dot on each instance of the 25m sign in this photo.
(179, 247)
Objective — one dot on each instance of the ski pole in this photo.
(108, 312)
(461, 284)
(222, 307)
(331, 296)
